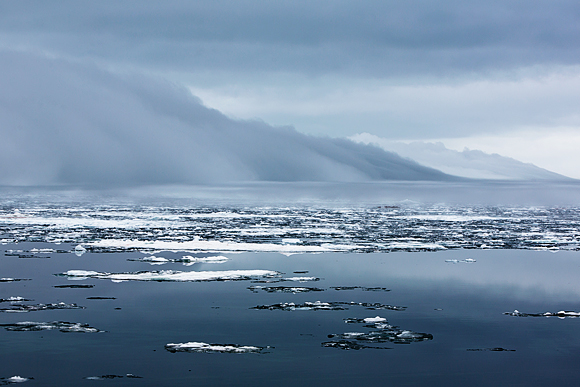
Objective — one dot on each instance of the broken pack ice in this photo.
(173, 276)
(212, 348)
(21, 308)
(62, 326)
(382, 332)
(284, 289)
(561, 314)
(186, 260)
(335, 305)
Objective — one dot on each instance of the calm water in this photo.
(461, 304)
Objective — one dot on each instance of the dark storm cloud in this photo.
(72, 123)
(373, 38)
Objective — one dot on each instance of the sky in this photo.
(496, 76)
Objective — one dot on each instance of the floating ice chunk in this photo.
(33, 308)
(14, 299)
(560, 314)
(317, 305)
(348, 344)
(13, 379)
(216, 259)
(382, 333)
(42, 251)
(82, 273)
(63, 326)
(153, 260)
(284, 289)
(187, 260)
(79, 250)
(13, 279)
(335, 305)
(214, 246)
(169, 275)
(209, 348)
(372, 320)
(415, 246)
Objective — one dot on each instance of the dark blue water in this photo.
(461, 305)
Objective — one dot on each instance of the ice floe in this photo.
(381, 332)
(14, 299)
(209, 246)
(213, 348)
(8, 279)
(284, 289)
(349, 344)
(62, 326)
(22, 308)
(79, 250)
(186, 260)
(174, 276)
(335, 305)
(316, 305)
(561, 314)
(13, 380)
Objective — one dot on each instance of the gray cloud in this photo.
(368, 38)
(72, 123)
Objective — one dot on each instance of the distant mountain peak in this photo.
(469, 163)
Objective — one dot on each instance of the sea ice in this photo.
(169, 275)
(561, 314)
(14, 299)
(348, 344)
(284, 289)
(20, 308)
(382, 333)
(212, 348)
(63, 326)
(13, 380)
(317, 305)
(79, 250)
(13, 279)
(186, 260)
(336, 305)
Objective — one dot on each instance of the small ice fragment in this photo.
(153, 260)
(79, 250)
(377, 319)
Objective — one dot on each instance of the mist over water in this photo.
(72, 123)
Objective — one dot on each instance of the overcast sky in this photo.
(500, 76)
